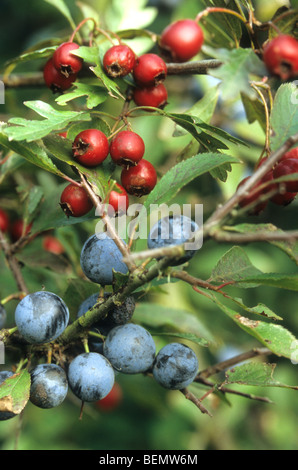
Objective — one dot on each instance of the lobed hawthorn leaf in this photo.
(275, 337)
(95, 95)
(32, 130)
(33, 153)
(284, 115)
(15, 392)
(290, 247)
(255, 374)
(235, 73)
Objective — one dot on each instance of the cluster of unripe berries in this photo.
(138, 177)
(283, 193)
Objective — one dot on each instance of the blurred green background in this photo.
(148, 416)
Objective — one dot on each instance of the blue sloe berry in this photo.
(90, 376)
(173, 230)
(41, 317)
(176, 366)
(130, 348)
(99, 257)
(49, 386)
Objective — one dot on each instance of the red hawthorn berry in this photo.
(112, 400)
(74, 201)
(66, 62)
(155, 96)
(139, 180)
(19, 229)
(149, 70)
(255, 194)
(90, 147)
(53, 245)
(127, 148)
(119, 61)
(284, 168)
(182, 40)
(118, 201)
(55, 80)
(293, 153)
(281, 56)
(4, 221)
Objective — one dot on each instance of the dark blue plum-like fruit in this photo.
(41, 317)
(49, 386)
(130, 348)
(2, 316)
(99, 257)
(91, 376)
(4, 415)
(176, 366)
(170, 231)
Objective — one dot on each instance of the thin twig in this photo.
(190, 396)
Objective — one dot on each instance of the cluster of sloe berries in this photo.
(117, 344)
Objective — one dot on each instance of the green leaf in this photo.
(255, 374)
(95, 95)
(35, 196)
(135, 15)
(32, 55)
(255, 110)
(208, 136)
(15, 393)
(275, 337)
(14, 162)
(282, 281)
(181, 174)
(286, 24)
(33, 130)
(43, 259)
(76, 292)
(184, 336)
(290, 247)
(63, 8)
(284, 116)
(167, 320)
(33, 153)
(234, 266)
(259, 309)
(235, 73)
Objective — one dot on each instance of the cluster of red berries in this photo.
(138, 177)
(62, 68)
(282, 193)
(179, 42)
